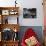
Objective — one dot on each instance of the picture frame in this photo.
(13, 12)
(29, 12)
(5, 12)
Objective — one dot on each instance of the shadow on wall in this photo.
(37, 29)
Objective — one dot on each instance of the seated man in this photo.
(30, 38)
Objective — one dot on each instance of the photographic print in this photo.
(29, 12)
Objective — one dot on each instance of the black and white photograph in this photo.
(29, 12)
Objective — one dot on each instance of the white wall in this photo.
(32, 4)
(7, 3)
(27, 4)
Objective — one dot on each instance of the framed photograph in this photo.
(13, 12)
(29, 12)
(5, 12)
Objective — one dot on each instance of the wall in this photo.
(7, 3)
(27, 4)
(32, 4)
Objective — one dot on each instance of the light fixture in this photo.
(15, 3)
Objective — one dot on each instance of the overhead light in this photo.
(15, 3)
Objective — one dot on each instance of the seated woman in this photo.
(30, 38)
